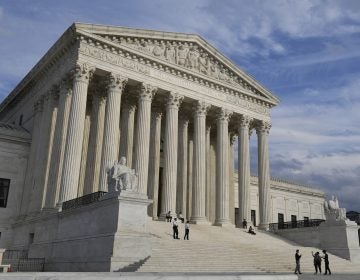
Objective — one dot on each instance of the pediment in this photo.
(187, 51)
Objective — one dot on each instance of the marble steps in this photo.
(216, 249)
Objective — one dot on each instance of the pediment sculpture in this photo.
(333, 210)
(185, 54)
(122, 178)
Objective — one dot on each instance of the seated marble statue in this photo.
(333, 210)
(121, 177)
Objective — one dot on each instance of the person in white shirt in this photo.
(175, 228)
(187, 230)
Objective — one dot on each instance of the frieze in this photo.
(114, 59)
(128, 63)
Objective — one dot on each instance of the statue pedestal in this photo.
(107, 235)
(341, 238)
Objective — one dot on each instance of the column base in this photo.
(263, 227)
(223, 223)
(199, 221)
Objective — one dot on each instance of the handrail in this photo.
(82, 200)
(295, 224)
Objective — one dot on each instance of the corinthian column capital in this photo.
(83, 72)
(223, 115)
(174, 99)
(263, 127)
(147, 91)
(245, 122)
(201, 108)
(116, 81)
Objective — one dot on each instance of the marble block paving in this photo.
(141, 276)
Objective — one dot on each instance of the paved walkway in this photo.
(334, 276)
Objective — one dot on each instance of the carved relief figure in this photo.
(192, 58)
(223, 75)
(170, 53)
(203, 63)
(214, 68)
(182, 55)
(159, 49)
(143, 46)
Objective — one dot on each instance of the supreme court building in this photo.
(170, 103)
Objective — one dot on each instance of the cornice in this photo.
(293, 187)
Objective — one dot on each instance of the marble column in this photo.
(168, 195)
(127, 131)
(142, 137)
(262, 131)
(41, 168)
(208, 173)
(244, 171)
(189, 178)
(57, 155)
(182, 166)
(233, 138)
(85, 148)
(199, 174)
(222, 169)
(29, 177)
(92, 174)
(154, 162)
(75, 133)
(110, 145)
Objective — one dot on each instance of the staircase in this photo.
(228, 249)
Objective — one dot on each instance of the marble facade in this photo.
(168, 102)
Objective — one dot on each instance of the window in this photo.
(4, 191)
(306, 221)
(293, 221)
(253, 217)
(280, 220)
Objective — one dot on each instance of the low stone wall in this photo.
(339, 238)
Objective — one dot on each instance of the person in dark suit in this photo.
(326, 260)
(175, 228)
(297, 261)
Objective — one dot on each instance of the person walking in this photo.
(326, 259)
(317, 262)
(297, 261)
(187, 230)
(175, 228)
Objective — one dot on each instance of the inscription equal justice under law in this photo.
(144, 69)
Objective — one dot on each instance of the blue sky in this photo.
(306, 52)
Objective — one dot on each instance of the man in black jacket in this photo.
(297, 260)
(326, 259)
